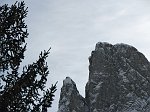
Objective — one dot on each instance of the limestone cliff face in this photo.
(119, 81)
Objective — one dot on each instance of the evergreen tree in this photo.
(21, 92)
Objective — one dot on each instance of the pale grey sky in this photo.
(73, 27)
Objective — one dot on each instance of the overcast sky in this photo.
(73, 27)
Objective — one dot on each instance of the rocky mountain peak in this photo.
(103, 45)
(69, 81)
(70, 99)
(119, 81)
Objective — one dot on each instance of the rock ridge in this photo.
(119, 81)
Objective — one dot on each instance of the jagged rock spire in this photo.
(70, 99)
(119, 81)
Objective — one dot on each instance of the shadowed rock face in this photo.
(119, 81)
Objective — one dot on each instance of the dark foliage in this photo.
(21, 92)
